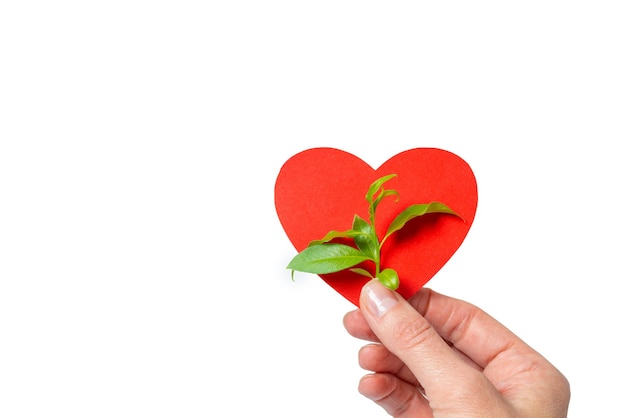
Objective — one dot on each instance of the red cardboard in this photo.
(321, 189)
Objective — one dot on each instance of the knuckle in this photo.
(409, 334)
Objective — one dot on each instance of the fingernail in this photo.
(378, 298)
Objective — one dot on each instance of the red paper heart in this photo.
(321, 189)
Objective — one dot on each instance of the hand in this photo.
(435, 356)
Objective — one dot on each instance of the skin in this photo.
(436, 356)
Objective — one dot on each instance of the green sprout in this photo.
(323, 256)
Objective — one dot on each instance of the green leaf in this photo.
(414, 211)
(350, 233)
(327, 258)
(375, 186)
(366, 241)
(381, 196)
(362, 272)
(389, 277)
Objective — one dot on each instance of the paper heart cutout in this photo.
(321, 189)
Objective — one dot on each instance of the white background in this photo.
(142, 264)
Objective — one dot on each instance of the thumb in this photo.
(405, 333)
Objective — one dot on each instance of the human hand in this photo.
(435, 356)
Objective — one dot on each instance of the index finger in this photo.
(470, 329)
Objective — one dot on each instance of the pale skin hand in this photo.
(435, 356)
